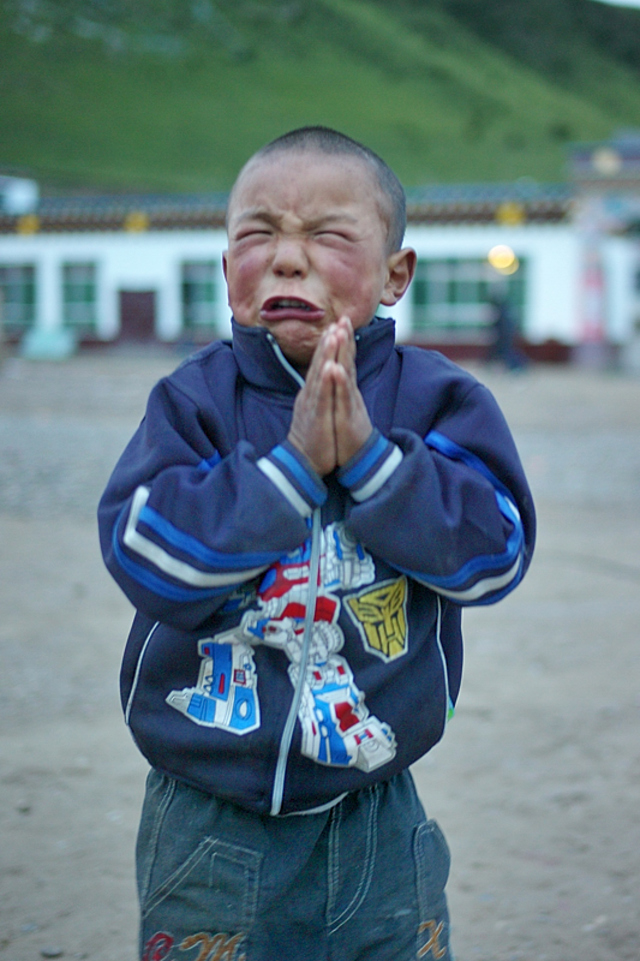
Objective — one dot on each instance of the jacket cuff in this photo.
(368, 470)
(294, 477)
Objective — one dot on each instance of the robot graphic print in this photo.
(337, 727)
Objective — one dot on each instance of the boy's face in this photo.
(307, 245)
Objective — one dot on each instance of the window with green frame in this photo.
(17, 296)
(450, 297)
(199, 294)
(79, 296)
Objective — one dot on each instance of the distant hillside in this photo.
(175, 94)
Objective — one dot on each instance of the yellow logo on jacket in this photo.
(380, 614)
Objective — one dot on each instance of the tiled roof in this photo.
(524, 201)
(133, 213)
(508, 203)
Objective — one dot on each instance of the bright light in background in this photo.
(607, 161)
(503, 259)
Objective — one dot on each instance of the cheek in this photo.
(355, 280)
(244, 275)
(343, 271)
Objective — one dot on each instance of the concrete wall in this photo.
(621, 262)
(152, 261)
(145, 261)
(552, 252)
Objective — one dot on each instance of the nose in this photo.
(290, 258)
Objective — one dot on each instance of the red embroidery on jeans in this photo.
(158, 946)
(216, 947)
(433, 944)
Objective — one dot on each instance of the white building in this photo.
(91, 270)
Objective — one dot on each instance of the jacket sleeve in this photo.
(182, 528)
(452, 508)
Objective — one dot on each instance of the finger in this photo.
(318, 360)
(319, 393)
(346, 397)
(325, 350)
(346, 345)
(342, 393)
(326, 385)
(352, 422)
(312, 427)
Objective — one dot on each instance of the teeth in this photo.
(289, 302)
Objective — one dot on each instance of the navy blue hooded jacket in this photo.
(297, 637)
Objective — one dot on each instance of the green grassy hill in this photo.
(175, 94)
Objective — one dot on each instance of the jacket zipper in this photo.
(290, 369)
(292, 716)
(314, 565)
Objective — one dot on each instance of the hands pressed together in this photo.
(330, 421)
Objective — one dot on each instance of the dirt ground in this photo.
(537, 781)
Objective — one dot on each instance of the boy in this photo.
(298, 520)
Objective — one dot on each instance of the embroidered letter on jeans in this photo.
(433, 944)
(213, 947)
(217, 947)
(158, 946)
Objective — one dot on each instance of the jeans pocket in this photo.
(432, 861)
(159, 794)
(217, 885)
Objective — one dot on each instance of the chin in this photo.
(296, 348)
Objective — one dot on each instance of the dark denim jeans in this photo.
(363, 881)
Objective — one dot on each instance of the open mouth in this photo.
(281, 308)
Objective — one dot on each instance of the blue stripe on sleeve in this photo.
(455, 452)
(484, 564)
(209, 463)
(298, 471)
(160, 587)
(494, 598)
(355, 474)
(190, 545)
(489, 597)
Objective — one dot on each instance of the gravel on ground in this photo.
(537, 781)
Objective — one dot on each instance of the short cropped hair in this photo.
(328, 141)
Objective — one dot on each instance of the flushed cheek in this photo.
(356, 291)
(351, 276)
(244, 278)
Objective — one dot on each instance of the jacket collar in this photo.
(262, 363)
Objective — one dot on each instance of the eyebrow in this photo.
(334, 218)
(257, 213)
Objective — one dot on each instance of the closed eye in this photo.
(333, 235)
(250, 232)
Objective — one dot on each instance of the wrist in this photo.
(296, 445)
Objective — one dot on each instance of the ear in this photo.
(401, 267)
(224, 263)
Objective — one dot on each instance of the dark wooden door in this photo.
(137, 315)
